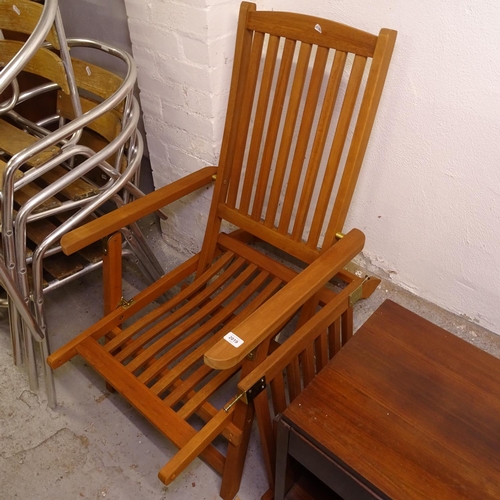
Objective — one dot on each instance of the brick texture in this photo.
(184, 53)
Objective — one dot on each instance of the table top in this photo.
(408, 408)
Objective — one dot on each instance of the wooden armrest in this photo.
(273, 315)
(107, 224)
(303, 337)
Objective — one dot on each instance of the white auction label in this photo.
(233, 339)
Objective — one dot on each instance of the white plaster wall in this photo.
(428, 197)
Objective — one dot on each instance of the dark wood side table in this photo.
(404, 411)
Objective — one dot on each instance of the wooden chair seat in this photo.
(159, 358)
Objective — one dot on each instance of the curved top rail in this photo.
(34, 42)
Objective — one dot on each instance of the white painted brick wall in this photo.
(184, 53)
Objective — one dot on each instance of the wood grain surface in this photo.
(410, 409)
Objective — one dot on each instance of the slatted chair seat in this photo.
(279, 181)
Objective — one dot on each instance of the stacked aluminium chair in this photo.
(303, 98)
(62, 168)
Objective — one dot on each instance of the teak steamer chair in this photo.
(230, 301)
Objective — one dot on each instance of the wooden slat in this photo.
(94, 79)
(96, 142)
(273, 128)
(14, 140)
(259, 122)
(24, 194)
(334, 338)
(266, 432)
(307, 362)
(108, 125)
(304, 28)
(160, 415)
(114, 221)
(244, 122)
(306, 125)
(307, 355)
(185, 387)
(347, 322)
(206, 412)
(366, 117)
(287, 133)
(262, 261)
(44, 63)
(293, 379)
(59, 266)
(257, 228)
(77, 190)
(322, 129)
(337, 148)
(321, 351)
(62, 266)
(238, 80)
(93, 253)
(24, 18)
(278, 393)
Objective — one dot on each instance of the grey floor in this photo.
(95, 445)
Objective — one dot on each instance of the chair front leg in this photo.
(112, 272)
(243, 418)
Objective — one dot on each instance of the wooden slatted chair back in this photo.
(94, 79)
(22, 16)
(302, 104)
(44, 63)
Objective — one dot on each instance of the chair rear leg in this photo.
(236, 454)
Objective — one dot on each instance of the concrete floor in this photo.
(95, 445)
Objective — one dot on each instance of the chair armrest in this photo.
(107, 224)
(273, 315)
(276, 362)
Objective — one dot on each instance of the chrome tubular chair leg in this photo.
(137, 243)
(50, 387)
(15, 333)
(30, 359)
(29, 348)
